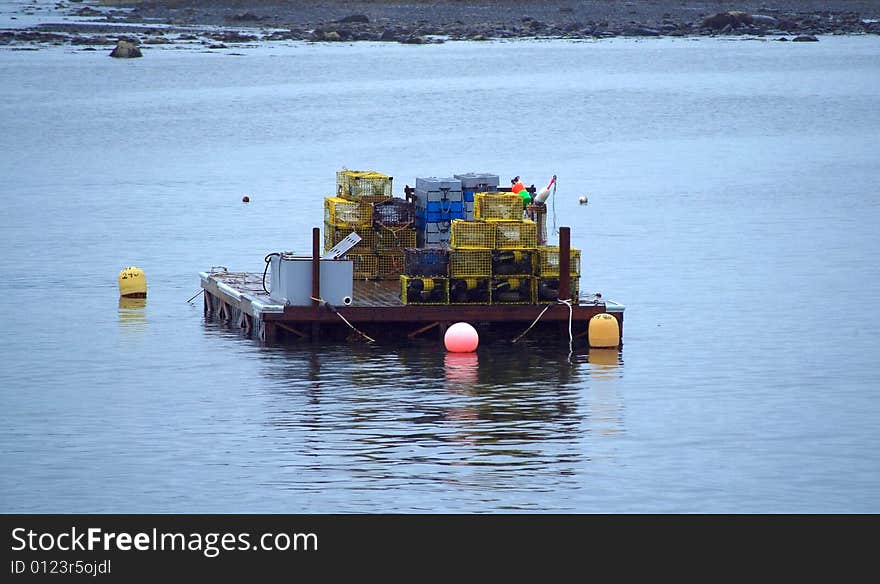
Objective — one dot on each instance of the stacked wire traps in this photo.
(472, 183)
(426, 279)
(548, 273)
(363, 204)
(482, 252)
(513, 241)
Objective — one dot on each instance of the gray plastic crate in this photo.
(422, 198)
(434, 233)
(433, 183)
(472, 180)
(436, 239)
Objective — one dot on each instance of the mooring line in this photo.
(533, 323)
(570, 316)
(333, 309)
(196, 294)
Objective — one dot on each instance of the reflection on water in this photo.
(509, 418)
(462, 371)
(132, 313)
(606, 405)
(604, 358)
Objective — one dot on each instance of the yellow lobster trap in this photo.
(498, 207)
(395, 238)
(363, 185)
(345, 213)
(548, 261)
(470, 262)
(514, 262)
(472, 234)
(547, 289)
(364, 266)
(513, 290)
(333, 235)
(424, 290)
(469, 290)
(390, 265)
(515, 235)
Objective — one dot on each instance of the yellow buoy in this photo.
(604, 331)
(132, 283)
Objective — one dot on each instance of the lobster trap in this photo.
(514, 262)
(396, 238)
(547, 289)
(345, 213)
(363, 185)
(469, 290)
(389, 265)
(364, 266)
(426, 261)
(393, 213)
(515, 234)
(333, 235)
(498, 207)
(422, 290)
(513, 290)
(470, 262)
(473, 234)
(548, 261)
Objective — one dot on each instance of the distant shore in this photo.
(225, 23)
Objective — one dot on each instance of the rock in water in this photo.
(126, 50)
(765, 21)
(721, 20)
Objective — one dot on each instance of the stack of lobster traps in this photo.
(364, 205)
(492, 259)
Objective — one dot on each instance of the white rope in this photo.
(570, 316)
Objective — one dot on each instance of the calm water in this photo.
(733, 210)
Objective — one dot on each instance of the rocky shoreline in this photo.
(226, 23)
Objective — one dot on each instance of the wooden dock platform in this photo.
(377, 313)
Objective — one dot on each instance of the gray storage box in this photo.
(422, 198)
(436, 239)
(434, 233)
(291, 281)
(475, 180)
(433, 183)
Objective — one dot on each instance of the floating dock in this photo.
(377, 313)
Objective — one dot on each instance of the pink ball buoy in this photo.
(461, 338)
